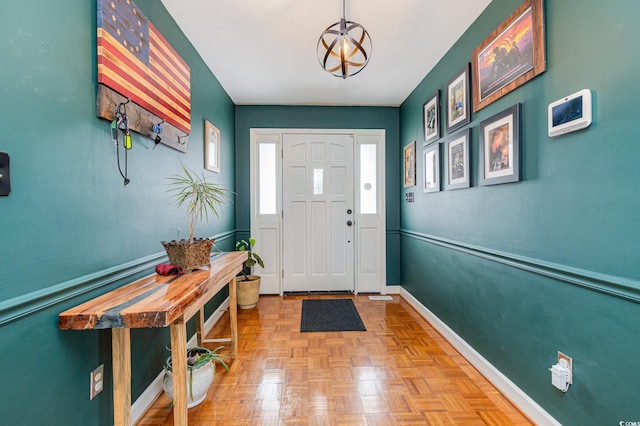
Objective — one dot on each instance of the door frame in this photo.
(370, 230)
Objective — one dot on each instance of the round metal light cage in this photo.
(344, 48)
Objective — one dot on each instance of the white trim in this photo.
(273, 279)
(523, 401)
(375, 221)
(263, 226)
(392, 289)
(146, 399)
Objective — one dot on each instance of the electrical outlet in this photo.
(97, 381)
(565, 359)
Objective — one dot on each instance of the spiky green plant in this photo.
(200, 196)
(196, 358)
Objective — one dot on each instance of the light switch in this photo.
(5, 176)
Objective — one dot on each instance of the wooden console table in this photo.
(158, 301)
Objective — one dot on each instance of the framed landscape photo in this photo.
(431, 118)
(431, 177)
(410, 164)
(511, 55)
(457, 160)
(500, 147)
(211, 147)
(458, 100)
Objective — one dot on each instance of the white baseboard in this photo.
(392, 289)
(528, 406)
(150, 394)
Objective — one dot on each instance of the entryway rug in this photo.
(330, 315)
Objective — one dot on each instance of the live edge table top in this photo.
(155, 300)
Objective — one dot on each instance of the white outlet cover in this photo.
(567, 362)
(97, 381)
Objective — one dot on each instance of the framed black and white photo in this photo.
(457, 160)
(500, 147)
(431, 118)
(458, 100)
(431, 169)
(211, 147)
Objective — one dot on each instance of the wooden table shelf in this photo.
(158, 301)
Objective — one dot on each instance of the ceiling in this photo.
(263, 52)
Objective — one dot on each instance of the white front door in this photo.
(318, 212)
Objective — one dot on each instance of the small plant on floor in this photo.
(198, 357)
(253, 258)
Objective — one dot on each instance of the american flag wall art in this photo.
(136, 61)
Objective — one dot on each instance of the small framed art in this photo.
(457, 159)
(431, 118)
(431, 178)
(458, 100)
(211, 147)
(500, 147)
(410, 164)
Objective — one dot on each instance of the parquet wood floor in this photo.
(399, 372)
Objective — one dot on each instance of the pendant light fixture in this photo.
(344, 48)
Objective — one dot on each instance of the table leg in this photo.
(200, 333)
(179, 371)
(121, 357)
(233, 317)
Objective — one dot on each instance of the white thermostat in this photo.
(570, 113)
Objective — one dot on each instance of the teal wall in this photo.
(70, 230)
(323, 117)
(518, 270)
(523, 270)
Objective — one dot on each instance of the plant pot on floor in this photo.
(248, 291)
(189, 255)
(201, 371)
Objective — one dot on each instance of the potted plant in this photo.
(248, 285)
(201, 198)
(201, 369)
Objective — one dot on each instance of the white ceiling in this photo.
(263, 52)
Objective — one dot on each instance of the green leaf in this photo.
(258, 259)
(201, 197)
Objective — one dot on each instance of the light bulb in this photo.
(345, 46)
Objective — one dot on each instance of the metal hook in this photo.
(186, 135)
(121, 108)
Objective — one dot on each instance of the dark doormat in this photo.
(330, 315)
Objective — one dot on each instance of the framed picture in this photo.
(431, 118)
(431, 156)
(500, 147)
(410, 164)
(511, 55)
(458, 100)
(211, 147)
(457, 160)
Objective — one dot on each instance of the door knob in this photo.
(349, 223)
(349, 211)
